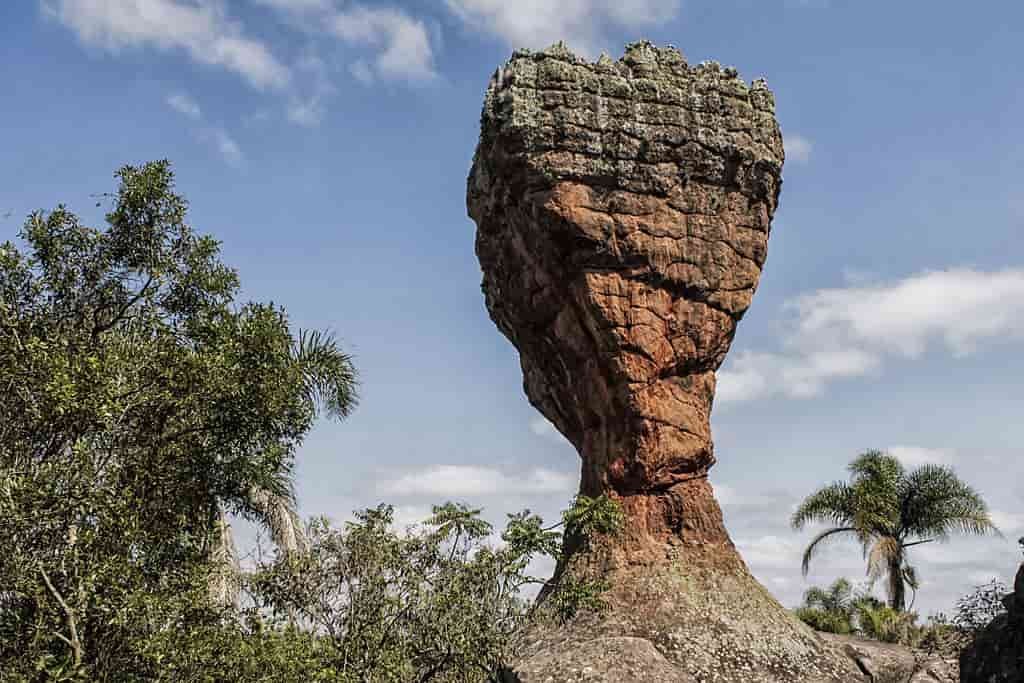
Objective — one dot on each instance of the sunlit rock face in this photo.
(623, 213)
(624, 210)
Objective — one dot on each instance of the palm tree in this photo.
(329, 385)
(888, 510)
(836, 598)
(829, 609)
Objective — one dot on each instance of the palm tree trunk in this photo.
(897, 589)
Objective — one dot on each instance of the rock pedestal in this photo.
(623, 212)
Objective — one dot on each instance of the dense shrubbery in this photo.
(839, 609)
(142, 406)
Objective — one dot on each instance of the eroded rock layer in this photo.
(623, 212)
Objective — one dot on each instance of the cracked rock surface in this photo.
(623, 210)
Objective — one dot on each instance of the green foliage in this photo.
(881, 622)
(142, 406)
(829, 610)
(439, 601)
(587, 517)
(888, 510)
(141, 401)
(840, 609)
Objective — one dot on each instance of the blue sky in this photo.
(327, 143)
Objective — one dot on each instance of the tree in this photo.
(435, 602)
(829, 610)
(888, 510)
(142, 403)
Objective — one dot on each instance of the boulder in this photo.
(892, 663)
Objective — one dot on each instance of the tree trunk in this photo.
(897, 587)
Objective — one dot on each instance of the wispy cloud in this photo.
(183, 104)
(850, 332)
(583, 24)
(403, 44)
(216, 136)
(396, 45)
(309, 110)
(227, 147)
(459, 481)
(201, 30)
(391, 44)
(798, 148)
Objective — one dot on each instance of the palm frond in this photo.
(277, 512)
(816, 597)
(876, 479)
(817, 542)
(833, 504)
(329, 376)
(877, 465)
(936, 503)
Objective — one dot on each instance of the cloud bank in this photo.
(850, 332)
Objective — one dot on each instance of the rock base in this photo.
(684, 622)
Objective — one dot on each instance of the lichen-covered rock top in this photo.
(634, 122)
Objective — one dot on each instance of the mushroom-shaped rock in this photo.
(623, 212)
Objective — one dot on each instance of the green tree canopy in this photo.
(141, 403)
(888, 510)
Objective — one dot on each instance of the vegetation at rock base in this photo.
(143, 407)
(829, 610)
(842, 610)
(888, 510)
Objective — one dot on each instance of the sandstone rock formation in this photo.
(623, 212)
(997, 654)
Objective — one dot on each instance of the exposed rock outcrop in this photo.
(888, 662)
(997, 654)
(623, 212)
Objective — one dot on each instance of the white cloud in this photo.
(183, 104)
(771, 552)
(915, 456)
(583, 24)
(227, 147)
(405, 52)
(849, 332)
(798, 149)
(309, 111)
(220, 139)
(757, 375)
(399, 43)
(458, 481)
(198, 28)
